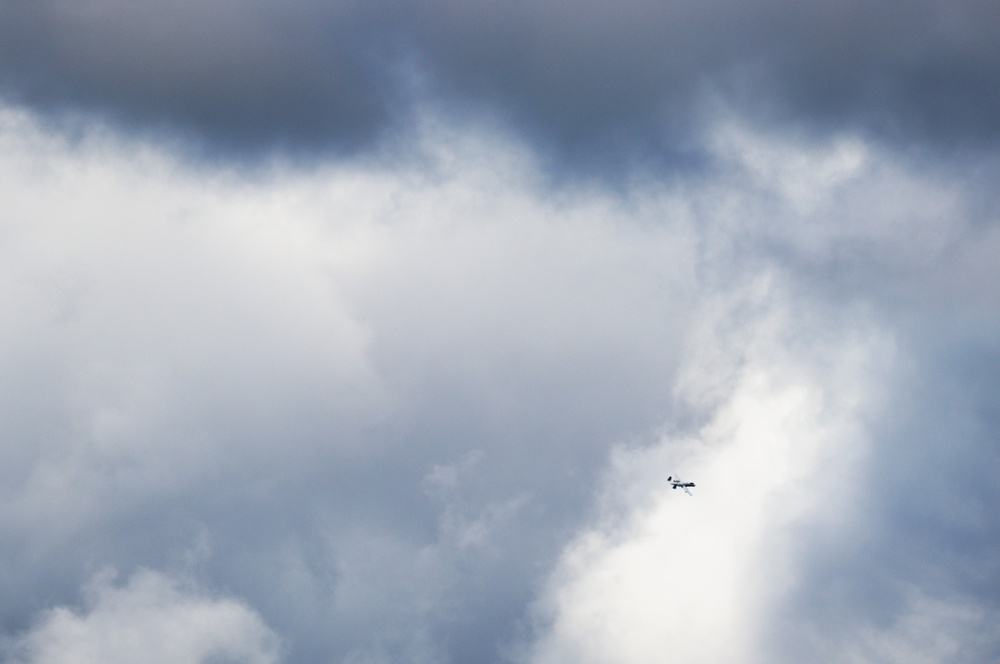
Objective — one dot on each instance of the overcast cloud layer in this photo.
(589, 81)
(384, 382)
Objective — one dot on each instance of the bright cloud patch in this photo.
(696, 578)
(152, 618)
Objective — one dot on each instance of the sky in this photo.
(369, 333)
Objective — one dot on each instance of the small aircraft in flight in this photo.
(676, 482)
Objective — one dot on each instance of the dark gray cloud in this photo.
(588, 81)
(246, 75)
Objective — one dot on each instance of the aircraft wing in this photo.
(687, 491)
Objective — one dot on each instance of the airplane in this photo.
(676, 482)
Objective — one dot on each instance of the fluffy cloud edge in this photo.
(151, 618)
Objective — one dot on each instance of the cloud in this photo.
(421, 408)
(152, 618)
(245, 75)
(699, 577)
(283, 361)
(812, 533)
(598, 86)
(834, 437)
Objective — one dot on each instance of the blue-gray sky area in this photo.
(365, 333)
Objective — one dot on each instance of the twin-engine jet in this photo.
(675, 482)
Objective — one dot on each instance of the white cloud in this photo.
(695, 579)
(153, 619)
(795, 366)
(385, 391)
(804, 175)
(282, 357)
